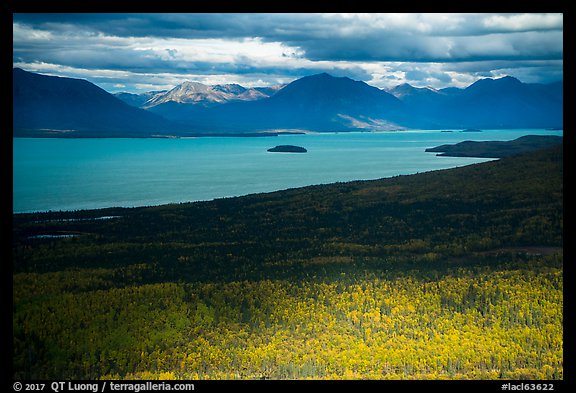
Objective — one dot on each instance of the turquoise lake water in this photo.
(71, 174)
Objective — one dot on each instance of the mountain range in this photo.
(56, 106)
(204, 95)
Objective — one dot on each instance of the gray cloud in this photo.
(448, 47)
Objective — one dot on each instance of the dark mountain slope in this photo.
(49, 105)
(488, 103)
(504, 103)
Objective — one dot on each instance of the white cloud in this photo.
(525, 22)
(24, 33)
(218, 50)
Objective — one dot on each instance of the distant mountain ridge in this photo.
(138, 100)
(199, 94)
(55, 106)
(487, 103)
(318, 102)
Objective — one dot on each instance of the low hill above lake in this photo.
(496, 149)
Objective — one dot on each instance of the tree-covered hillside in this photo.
(446, 274)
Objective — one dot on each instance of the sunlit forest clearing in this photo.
(453, 274)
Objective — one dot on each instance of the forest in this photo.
(452, 274)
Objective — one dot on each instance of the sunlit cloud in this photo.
(159, 50)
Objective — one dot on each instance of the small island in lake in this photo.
(287, 149)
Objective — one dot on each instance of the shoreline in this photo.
(69, 134)
(78, 205)
(109, 209)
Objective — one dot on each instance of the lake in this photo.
(71, 174)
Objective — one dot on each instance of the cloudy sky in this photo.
(143, 52)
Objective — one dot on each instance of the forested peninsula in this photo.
(496, 149)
